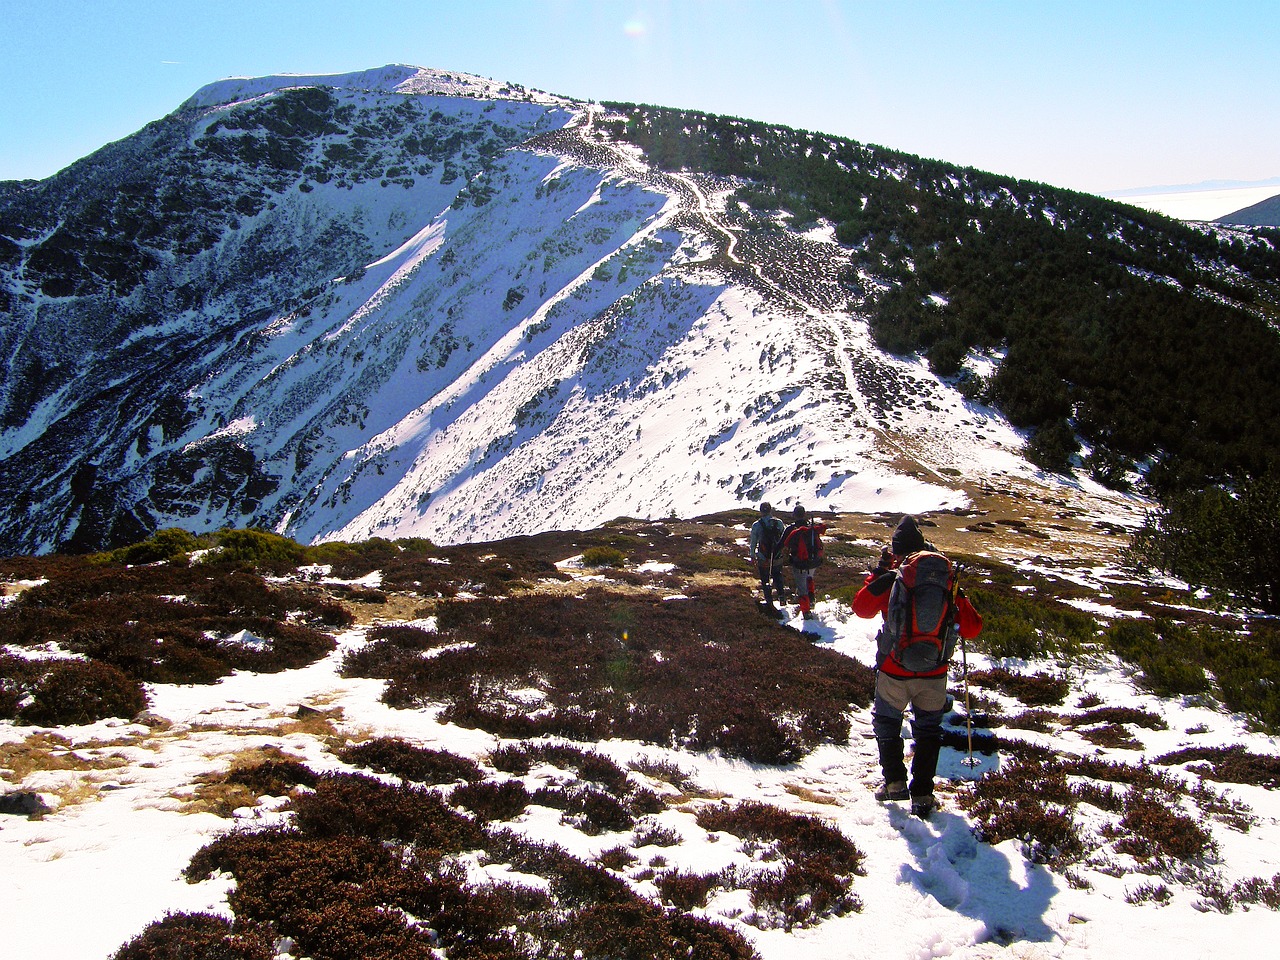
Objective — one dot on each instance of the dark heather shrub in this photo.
(346, 930)
(1229, 765)
(273, 777)
(699, 939)
(802, 839)
(281, 876)
(1139, 718)
(617, 858)
(687, 891)
(695, 674)
(1035, 690)
(1151, 828)
(409, 762)
(187, 936)
(492, 801)
(359, 805)
(83, 691)
(800, 895)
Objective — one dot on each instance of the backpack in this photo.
(771, 531)
(920, 624)
(806, 547)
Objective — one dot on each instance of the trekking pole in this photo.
(968, 761)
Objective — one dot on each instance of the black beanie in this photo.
(907, 538)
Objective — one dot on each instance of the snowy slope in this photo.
(930, 888)
(406, 302)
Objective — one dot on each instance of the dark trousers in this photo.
(771, 579)
(927, 699)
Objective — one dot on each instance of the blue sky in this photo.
(1097, 96)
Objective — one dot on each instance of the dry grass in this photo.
(44, 751)
(811, 796)
(221, 793)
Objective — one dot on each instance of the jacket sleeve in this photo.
(873, 598)
(755, 539)
(969, 619)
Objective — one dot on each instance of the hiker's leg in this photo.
(928, 706)
(766, 585)
(886, 722)
(802, 588)
(779, 582)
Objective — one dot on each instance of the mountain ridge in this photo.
(339, 312)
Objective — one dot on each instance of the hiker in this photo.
(766, 545)
(802, 544)
(913, 650)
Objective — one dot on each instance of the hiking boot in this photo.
(923, 805)
(897, 790)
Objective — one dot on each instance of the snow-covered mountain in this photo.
(412, 303)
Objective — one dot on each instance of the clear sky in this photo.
(1096, 96)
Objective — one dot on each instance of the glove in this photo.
(885, 564)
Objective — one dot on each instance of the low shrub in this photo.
(800, 895)
(1118, 715)
(589, 809)
(1149, 892)
(653, 834)
(1022, 627)
(1229, 765)
(687, 891)
(504, 800)
(83, 691)
(273, 777)
(603, 557)
(1035, 690)
(359, 805)
(704, 674)
(182, 936)
(410, 762)
(1152, 828)
(1256, 890)
(169, 624)
(616, 858)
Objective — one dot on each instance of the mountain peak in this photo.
(392, 78)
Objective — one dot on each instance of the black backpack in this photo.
(920, 623)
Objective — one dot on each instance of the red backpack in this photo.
(921, 621)
(806, 550)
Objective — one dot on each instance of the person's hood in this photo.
(907, 538)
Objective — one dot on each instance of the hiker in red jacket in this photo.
(913, 650)
(802, 546)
